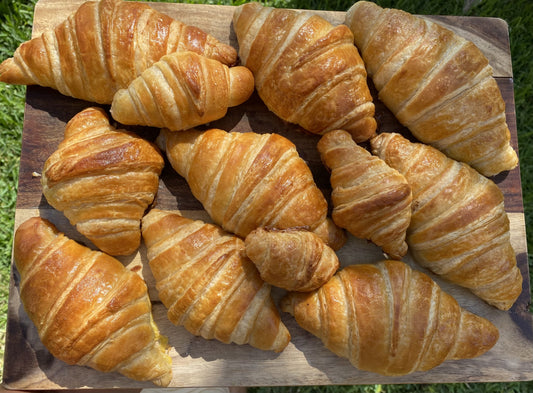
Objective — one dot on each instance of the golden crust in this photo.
(390, 319)
(293, 259)
(306, 70)
(436, 83)
(370, 199)
(88, 309)
(208, 284)
(79, 56)
(247, 180)
(180, 91)
(459, 228)
(103, 180)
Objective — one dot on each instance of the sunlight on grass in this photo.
(15, 27)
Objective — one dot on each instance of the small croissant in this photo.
(390, 319)
(459, 228)
(438, 84)
(103, 179)
(293, 259)
(181, 91)
(89, 310)
(208, 284)
(249, 180)
(306, 70)
(370, 199)
(102, 47)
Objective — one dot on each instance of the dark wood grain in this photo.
(198, 362)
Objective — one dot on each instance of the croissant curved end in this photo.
(480, 334)
(12, 74)
(241, 85)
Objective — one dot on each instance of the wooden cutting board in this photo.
(198, 362)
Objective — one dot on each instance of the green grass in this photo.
(515, 387)
(15, 27)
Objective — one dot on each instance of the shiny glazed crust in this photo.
(390, 319)
(182, 90)
(208, 284)
(436, 83)
(88, 309)
(247, 180)
(459, 228)
(370, 199)
(79, 56)
(306, 70)
(103, 179)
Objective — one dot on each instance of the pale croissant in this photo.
(436, 83)
(89, 310)
(102, 47)
(459, 228)
(293, 259)
(182, 90)
(390, 319)
(306, 70)
(370, 199)
(103, 179)
(208, 284)
(249, 180)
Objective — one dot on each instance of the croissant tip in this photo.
(164, 380)
(11, 74)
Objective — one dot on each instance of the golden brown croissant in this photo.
(436, 83)
(370, 199)
(182, 90)
(390, 319)
(103, 180)
(102, 47)
(208, 284)
(247, 180)
(306, 70)
(293, 259)
(459, 228)
(88, 308)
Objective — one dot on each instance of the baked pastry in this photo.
(103, 179)
(370, 199)
(459, 228)
(331, 234)
(182, 90)
(436, 83)
(306, 70)
(102, 47)
(89, 310)
(390, 319)
(248, 180)
(208, 284)
(293, 259)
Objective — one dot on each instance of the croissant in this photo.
(293, 259)
(306, 70)
(389, 319)
(370, 199)
(208, 284)
(436, 83)
(248, 180)
(103, 180)
(102, 47)
(459, 228)
(89, 310)
(182, 90)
